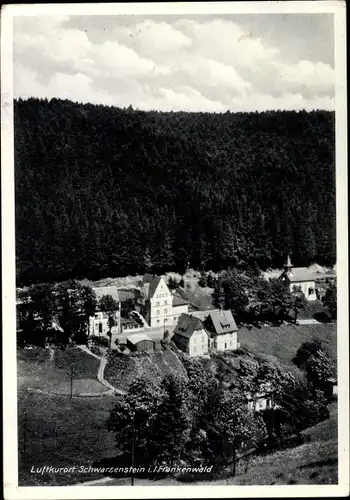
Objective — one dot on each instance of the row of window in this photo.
(165, 303)
(158, 312)
(161, 295)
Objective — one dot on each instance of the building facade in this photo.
(190, 336)
(221, 328)
(300, 279)
(159, 306)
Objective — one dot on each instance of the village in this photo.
(153, 312)
(146, 313)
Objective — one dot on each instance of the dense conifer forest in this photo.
(103, 191)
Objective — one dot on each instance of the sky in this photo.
(171, 63)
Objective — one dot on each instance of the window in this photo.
(165, 302)
(165, 321)
(165, 311)
(311, 291)
(158, 321)
(157, 312)
(158, 304)
(225, 345)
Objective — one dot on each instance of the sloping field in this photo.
(279, 344)
(61, 432)
(50, 370)
(121, 370)
(312, 463)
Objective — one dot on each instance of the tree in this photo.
(211, 281)
(173, 283)
(141, 406)
(202, 282)
(330, 300)
(314, 360)
(109, 306)
(218, 296)
(319, 369)
(298, 303)
(281, 299)
(306, 350)
(230, 427)
(89, 303)
(71, 314)
(171, 426)
(43, 304)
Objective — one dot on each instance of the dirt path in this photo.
(100, 373)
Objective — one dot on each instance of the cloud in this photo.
(189, 64)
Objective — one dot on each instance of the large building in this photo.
(158, 305)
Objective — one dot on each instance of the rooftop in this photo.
(187, 325)
(138, 337)
(298, 274)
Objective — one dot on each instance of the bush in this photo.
(99, 341)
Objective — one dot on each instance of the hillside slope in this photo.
(279, 344)
(56, 371)
(121, 370)
(103, 191)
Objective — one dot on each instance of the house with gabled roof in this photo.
(159, 306)
(190, 336)
(299, 279)
(221, 327)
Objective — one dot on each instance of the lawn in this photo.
(279, 344)
(50, 370)
(62, 432)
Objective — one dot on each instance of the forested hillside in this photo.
(107, 191)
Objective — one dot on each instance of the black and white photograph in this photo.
(175, 250)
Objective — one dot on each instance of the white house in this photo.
(158, 305)
(221, 328)
(190, 336)
(299, 278)
(262, 399)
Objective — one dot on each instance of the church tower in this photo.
(288, 266)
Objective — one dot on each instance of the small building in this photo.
(260, 400)
(331, 388)
(300, 279)
(190, 336)
(130, 325)
(139, 342)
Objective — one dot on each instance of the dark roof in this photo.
(178, 300)
(187, 325)
(153, 285)
(223, 321)
(147, 278)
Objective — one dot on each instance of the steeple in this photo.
(288, 266)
